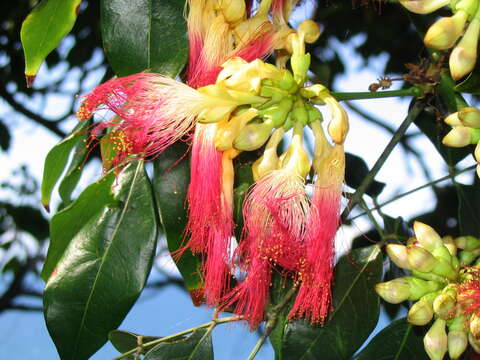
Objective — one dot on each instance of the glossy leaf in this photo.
(197, 346)
(43, 29)
(125, 341)
(469, 209)
(144, 34)
(66, 224)
(57, 160)
(398, 341)
(355, 314)
(104, 269)
(170, 182)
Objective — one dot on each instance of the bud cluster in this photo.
(460, 31)
(466, 130)
(445, 285)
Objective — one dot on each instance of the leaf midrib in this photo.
(106, 253)
(372, 256)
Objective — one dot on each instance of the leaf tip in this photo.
(198, 296)
(30, 80)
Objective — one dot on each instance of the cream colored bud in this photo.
(420, 259)
(423, 6)
(427, 236)
(398, 254)
(269, 160)
(436, 341)
(338, 126)
(457, 343)
(449, 243)
(464, 55)
(459, 136)
(421, 313)
(443, 305)
(453, 120)
(310, 30)
(475, 326)
(474, 342)
(444, 33)
(233, 10)
(477, 152)
(394, 291)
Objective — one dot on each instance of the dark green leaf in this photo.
(398, 341)
(170, 182)
(5, 137)
(104, 269)
(125, 341)
(43, 30)
(356, 311)
(66, 224)
(356, 170)
(469, 209)
(57, 160)
(197, 346)
(28, 219)
(435, 129)
(144, 34)
(395, 228)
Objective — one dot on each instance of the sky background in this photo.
(160, 313)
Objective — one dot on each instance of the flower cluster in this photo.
(445, 285)
(234, 102)
(446, 32)
(466, 130)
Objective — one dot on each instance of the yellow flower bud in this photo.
(310, 31)
(464, 55)
(436, 341)
(453, 120)
(423, 6)
(449, 243)
(427, 236)
(444, 304)
(227, 131)
(394, 291)
(444, 33)
(233, 10)
(420, 259)
(474, 342)
(421, 312)
(269, 160)
(338, 126)
(253, 136)
(459, 136)
(296, 158)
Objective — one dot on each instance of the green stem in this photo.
(272, 318)
(430, 183)
(357, 195)
(412, 91)
(372, 219)
(210, 324)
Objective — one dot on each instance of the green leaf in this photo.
(170, 183)
(66, 224)
(5, 137)
(144, 34)
(104, 268)
(57, 160)
(197, 346)
(398, 341)
(125, 341)
(356, 311)
(43, 29)
(469, 209)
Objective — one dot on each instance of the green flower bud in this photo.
(228, 131)
(429, 276)
(467, 257)
(470, 116)
(394, 291)
(274, 93)
(461, 136)
(299, 112)
(287, 82)
(436, 341)
(419, 287)
(277, 113)
(253, 136)
(313, 113)
(468, 243)
(310, 31)
(444, 304)
(457, 344)
(431, 241)
(420, 259)
(300, 64)
(398, 254)
(423, 6)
